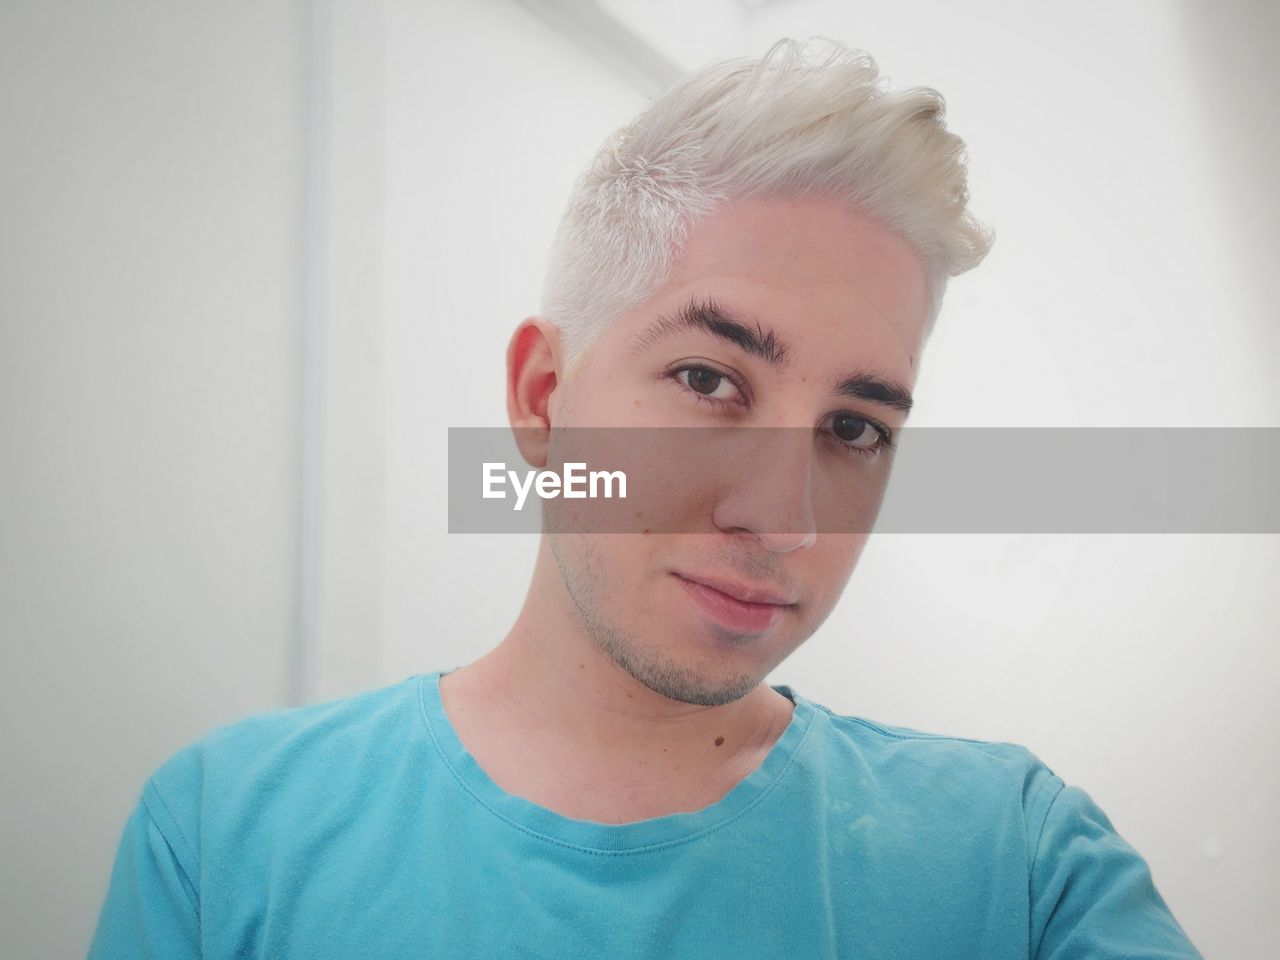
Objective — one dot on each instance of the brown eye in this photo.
(704, 381)
(709, 383)
(854, 430)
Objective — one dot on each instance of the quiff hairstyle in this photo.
(808, 118)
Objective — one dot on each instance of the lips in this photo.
(734, 605)
(744, 592)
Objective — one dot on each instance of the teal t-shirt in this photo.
(363, 828)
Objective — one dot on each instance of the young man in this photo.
(765, 247)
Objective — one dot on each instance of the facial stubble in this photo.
(585, 576)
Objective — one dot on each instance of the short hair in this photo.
(808, 118)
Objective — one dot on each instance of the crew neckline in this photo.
(610, 838)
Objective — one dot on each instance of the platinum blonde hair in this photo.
(807, 118)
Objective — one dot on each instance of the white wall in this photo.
(150, 246)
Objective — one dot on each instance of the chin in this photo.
(702, 689)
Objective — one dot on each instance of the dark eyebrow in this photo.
(877, 389)
(709, 316)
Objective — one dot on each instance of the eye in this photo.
(708, 383)
(859, 434)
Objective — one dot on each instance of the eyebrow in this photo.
(710, 317)
(877, 389)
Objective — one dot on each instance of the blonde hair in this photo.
(807, 118)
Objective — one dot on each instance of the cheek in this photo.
(604, 393)
(611, 561)
(672, 480)
(848, 495)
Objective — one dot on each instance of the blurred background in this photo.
(255, 258)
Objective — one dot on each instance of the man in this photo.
(765, 247)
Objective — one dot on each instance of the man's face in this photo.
(795, 314)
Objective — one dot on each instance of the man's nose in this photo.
(769, 492)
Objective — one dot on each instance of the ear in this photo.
(534, 372)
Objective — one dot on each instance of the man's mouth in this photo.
(736, 605)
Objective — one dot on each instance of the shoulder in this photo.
(942, 775)
(272, 762)
(295, 733)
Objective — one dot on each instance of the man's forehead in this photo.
(809, 241)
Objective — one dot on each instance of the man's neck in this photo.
(562, 725)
